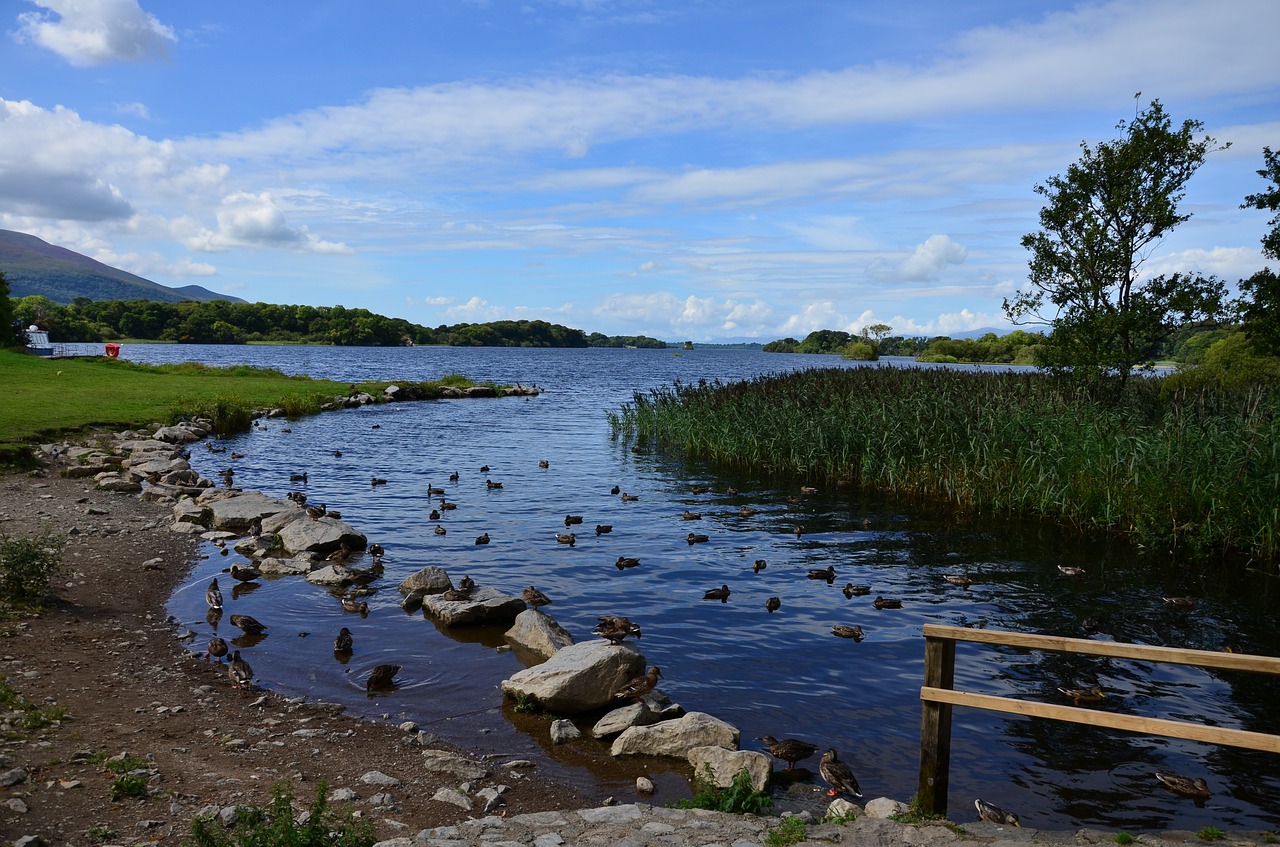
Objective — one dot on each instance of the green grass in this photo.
(1210, 833)
(28, 717)
(1189, 473)
(739, 798)
(1123, 838)
(129, 785)
(277, 826)
(791, 830)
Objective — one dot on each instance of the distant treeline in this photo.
(1018, 347)
(223, 322)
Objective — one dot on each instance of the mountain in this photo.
(34, 266)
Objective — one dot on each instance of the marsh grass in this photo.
(1188, 473)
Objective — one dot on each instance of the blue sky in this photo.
(702, 169)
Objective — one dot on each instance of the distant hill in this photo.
(34, 266)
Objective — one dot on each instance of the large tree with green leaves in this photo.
(8, 333)
(1102, 222)
(1260, 307)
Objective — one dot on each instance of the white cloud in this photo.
(937, 253)
(95, 32)
(137, 110)
(703, 317)
(246, 219)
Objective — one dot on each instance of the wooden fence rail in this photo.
(938, 695)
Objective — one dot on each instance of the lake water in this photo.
(783, 673)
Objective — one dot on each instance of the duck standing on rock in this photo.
(535, 598)
(640, 686)
(838, 775)
(789, 750)
(614, 629)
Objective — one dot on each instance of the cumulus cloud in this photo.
(96, 32)
(937, 253)
(692, 315)
(246, 219)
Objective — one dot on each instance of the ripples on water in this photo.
(783, 673)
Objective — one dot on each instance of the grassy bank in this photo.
(1192, 474)
(48, 398)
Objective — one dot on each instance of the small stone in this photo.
(408, 726)
(12, 777)
(343, 795)
(68, 784)
(563, 731)
(644, 785)
(379, 778)
(29, 841)
(455, 798)
(16, 806)
(228, 815)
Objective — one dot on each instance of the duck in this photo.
(799, 530)
(851, 590)
(1184, 785)
(789, 750)
(446, 506)
(1089, 626)
(640, 686)
(838, 775)
(570, 520)
(614, 629)
(239, 670)
(535, 598)
(454, 477)
(696, 538)
(491, 484)
(773, 604)
(691, 516)
(614, 491)
(844, 631)
(374, 482)
(604, 528)
(337, 454)
(213, 595)
(566, 538)
(294, 496)
(344, 642)
(456, 595)
(991, 813)
(467, 584)
(482, 539)
(433, 491)
(732, 492)
(216, 649)
(439, 530)
(434, 515)
(484, 469)
(381, 676)
(340, 555)
(722, 594)
(747, 511)
(959, 581)
(625, 562)
(377, 550)
(887, 603)
(1083, 695)
(249, 624)
(1071, 570)
(828, 573)
(1179, 602)
(760, 564)
(298, 477)
(544, 464)
(351, 604)
(808, 489)
(245, 574)
(316, 512)
(629, 498)
(700, 489)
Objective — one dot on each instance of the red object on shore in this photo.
(113, 350)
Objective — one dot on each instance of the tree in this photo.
(876, 331)
(8, 332)
(1260, 307)
(1102, 222)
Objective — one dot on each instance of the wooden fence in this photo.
(938, 696)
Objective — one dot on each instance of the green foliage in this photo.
(1123, 838)
(26, 567)
(859, 351)
(1260, 309)
(276, 826)
(8, 335)
(1269, 200)
(790, 830)
(100, 833)
(1187, 472)
(916, 813)
(739, 798)
(26, 715)
(525, 704)
(842, 819)
(782, 345)
(1100, 224)
(1016, 347)
(122, 764)
(129, 785)
(1210, 833)
(1230, 364)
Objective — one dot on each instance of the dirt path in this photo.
(104, 651)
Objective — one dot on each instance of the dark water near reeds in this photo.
(784, 673)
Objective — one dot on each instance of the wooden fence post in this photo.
(935, 726)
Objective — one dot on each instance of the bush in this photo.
(275, 826)
(26, 567)
(739, 798)
(859, 351)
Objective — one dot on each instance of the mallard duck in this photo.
(722, 594)
(789, 750)
(625, 562)
(249, 624)
(1083, 695)
(482, 539)
(700, 489)
(296, 497)
(760, 564)
(535, 598)
(439, 530)
(377, 550)
(808, 489)
(838, 775)
(851, 590)
(747, 511)
(691, 516)
(887, 603)
(217, 649)
(344, 642)
(484, 469)
(456, 595)
(630, 498)
(991, 813)
(544, 464)
(731, 492)
(467, 584)
(959, 581)
(245, 574)
(773, 604)
(374, 482)
(566, 538)
(828, 573)
(454, 477)
(351, 604)
(340, 555)
(845, 631)
(696, 538)
(799, 530)
(381, 677)
(492, 484)
(433, 491)
(446, 506)
(239, 670)
(337, 454)
(1180, 602)
(602, 528)
(298, 477)
(1071, 570)
(640, 686)
(1184, 785)
(316, 512)
(213, 596)
(1090, 625)
(614, 491)
(570, 520)
(615, 629)
(433, 515)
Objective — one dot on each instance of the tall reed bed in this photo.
(1186, 473)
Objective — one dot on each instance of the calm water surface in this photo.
(784, 673)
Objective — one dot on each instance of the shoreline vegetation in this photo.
(48, 398)
(1192, 472)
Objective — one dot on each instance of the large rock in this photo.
(237, 511)
(175, 434)
(676, 738)
(119, 483)
(578, 678)
(537, 635)
(188, 511)
(285, 567)
(721, 765)
(442, 762)
(158, 466)
(319, 537)
(654, 707)
(327, 575)
(486, 605)
(429, 580)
